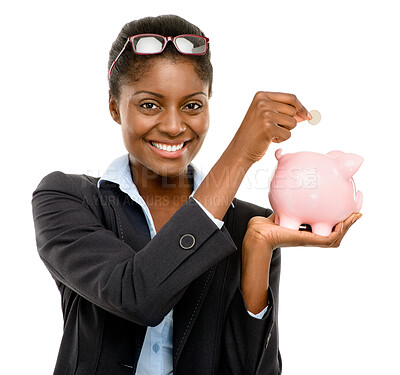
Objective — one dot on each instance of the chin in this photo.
(171, 171)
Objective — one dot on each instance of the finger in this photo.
(281, 135)
(343, 227)
(338, 233)
(350, 220)
(321, 241)
(356, 216)
(272, 217)
(301, 112)
(278, 127)
(278, 107)
(301, 118)
(292, 237)
(338, 228)
(285, 121)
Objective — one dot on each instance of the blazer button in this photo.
(187, 241)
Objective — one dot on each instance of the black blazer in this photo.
(114, 282)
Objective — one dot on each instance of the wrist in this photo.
(256, 243)
(219, 187)
(235, 153)
(256, 257)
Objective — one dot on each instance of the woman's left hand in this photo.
(262, 237)
(264, 230)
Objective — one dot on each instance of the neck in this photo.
(161, 191)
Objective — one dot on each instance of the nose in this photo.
(172, 123)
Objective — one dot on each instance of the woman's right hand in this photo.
(270, 118)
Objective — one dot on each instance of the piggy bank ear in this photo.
(348, 164)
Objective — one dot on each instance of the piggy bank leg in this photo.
(288, 222)
(322, 229)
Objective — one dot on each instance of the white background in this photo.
(339, 308)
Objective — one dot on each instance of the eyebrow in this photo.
(161, 96)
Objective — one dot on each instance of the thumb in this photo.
(302, 117)
(271, 217)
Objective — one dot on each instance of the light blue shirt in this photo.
(156, 354)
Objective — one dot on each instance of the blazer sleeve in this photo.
(140, 286)
(250, 345)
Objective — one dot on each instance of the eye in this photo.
(193, 106)
(148, 105)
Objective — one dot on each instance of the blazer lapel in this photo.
(187, 309)
(126, 217)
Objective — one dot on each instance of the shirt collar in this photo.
(119, 173)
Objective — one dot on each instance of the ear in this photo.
(348, 164)
(113, 107)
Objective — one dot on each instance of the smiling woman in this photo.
(167, 106)
(161, 270)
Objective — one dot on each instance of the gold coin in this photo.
(316, 117)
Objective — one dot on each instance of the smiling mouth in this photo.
(168, 147)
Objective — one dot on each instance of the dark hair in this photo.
(130, 66)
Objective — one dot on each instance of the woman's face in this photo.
(166, 107)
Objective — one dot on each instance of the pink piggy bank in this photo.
(314, 189)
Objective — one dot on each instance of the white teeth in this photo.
(167, 147)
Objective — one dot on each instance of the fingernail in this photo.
(309, 116)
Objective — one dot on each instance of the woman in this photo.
(162, 270)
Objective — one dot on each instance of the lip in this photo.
(169, 154)
(175, 143)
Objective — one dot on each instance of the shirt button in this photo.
(187, 241)
(156, 348)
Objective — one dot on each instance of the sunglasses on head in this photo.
(151, 44)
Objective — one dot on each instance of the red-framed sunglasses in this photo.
(151, 44)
